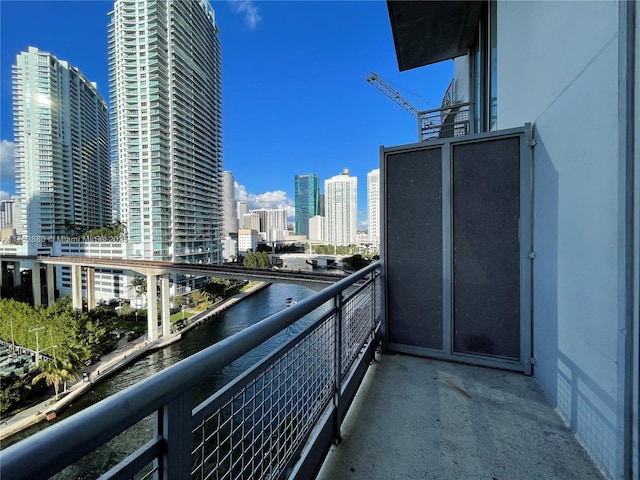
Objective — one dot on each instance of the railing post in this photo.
(338, 375)
(173, 423)
(373, 305)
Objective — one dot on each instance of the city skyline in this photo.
(294, 98)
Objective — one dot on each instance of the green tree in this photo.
(262, 259)
(126, 310)
(17, 392)
(55, 372)
(179, 301)
(139, 284)
(119, 228)
(250, 259)
(196, 297)
(356, 262)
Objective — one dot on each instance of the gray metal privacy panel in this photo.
(456, 237)
(414, 281)
(486, 261)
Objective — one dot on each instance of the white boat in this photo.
(289, 302)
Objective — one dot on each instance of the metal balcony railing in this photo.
(453, 120)
(276, 419)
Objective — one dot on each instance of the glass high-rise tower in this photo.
(61, 131)
(307, 200)
(165, 76)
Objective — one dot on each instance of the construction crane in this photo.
(394, 95)
(424, 123)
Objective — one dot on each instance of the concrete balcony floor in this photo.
(415, 418)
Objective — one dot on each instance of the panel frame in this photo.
(525, 362)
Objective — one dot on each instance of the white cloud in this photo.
(251, 14)
(7, 161)
(4, 195)
(271, 200)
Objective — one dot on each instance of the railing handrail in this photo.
(448, 107)
(72, 437)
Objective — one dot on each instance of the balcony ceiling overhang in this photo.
(431, 31)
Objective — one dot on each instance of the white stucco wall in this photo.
(461, 78)
(558, 69)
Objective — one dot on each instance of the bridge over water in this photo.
(157, 273)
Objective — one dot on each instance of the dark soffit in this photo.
(426, 32)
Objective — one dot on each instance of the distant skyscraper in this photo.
(242, 208)
(251, 221)
(307, 199)
(61, 131)
(230, 215)
(341, 209)
(6, 214)
(273, 223)
(373, 205)
(317, 228)
(165, 71)
(272, 218)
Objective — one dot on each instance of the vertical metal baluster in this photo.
(173, 422)
(338, 375)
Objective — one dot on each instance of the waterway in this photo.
(253, 309)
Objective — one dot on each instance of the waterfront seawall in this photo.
(111, 364)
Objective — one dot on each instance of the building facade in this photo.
(307, 201)
(242, 208)
(7, 214)
(109, 283)
(61, 131)
(247, 240)
(165, 71)
(229, 249)
(373, 206)
(317, 229)
(273, 223)
(341, 209)
(251, 220)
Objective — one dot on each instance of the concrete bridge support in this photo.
(90, 273)
(17, 279)
(51, 292)
(76, 286)
(36, 283)
(152, 307)
(164, 305)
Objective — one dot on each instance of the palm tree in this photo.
(139, 285)
(119, 228)
(55, 372)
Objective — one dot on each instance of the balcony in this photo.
(411, 417)
(452, 120)
(420, 418)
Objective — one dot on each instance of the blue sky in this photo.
(295, 98)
